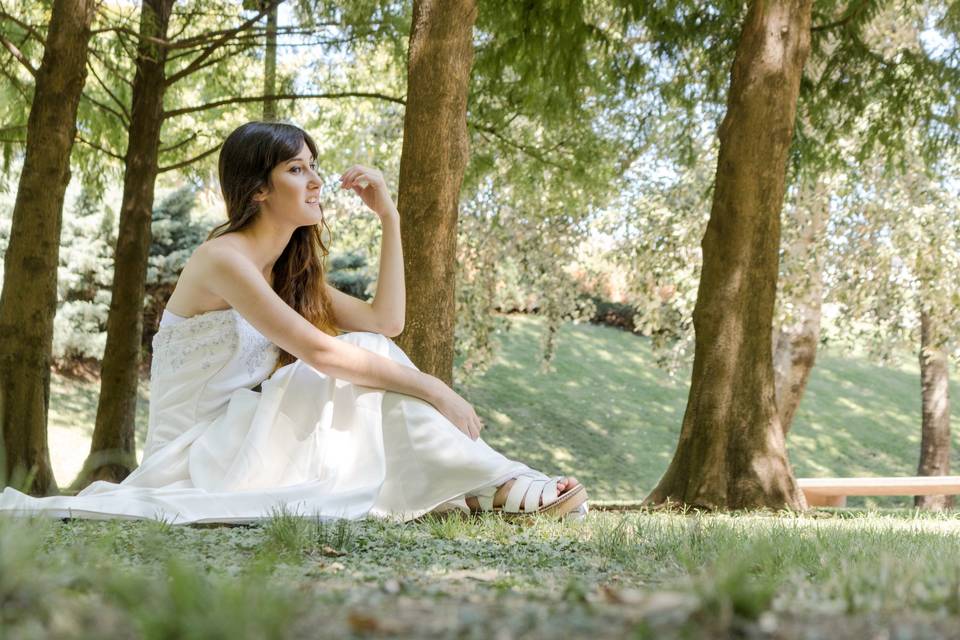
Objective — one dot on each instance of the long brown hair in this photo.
(247, 157)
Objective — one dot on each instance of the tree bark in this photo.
(935, 407)
(28, 302)
(270, 66)
(432, 164)
(731, 451)
(112, 452)
(795, 346)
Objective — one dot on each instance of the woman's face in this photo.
(294, 193)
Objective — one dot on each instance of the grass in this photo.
(641, 574)
(609, 416)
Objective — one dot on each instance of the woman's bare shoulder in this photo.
(191, 296)
(207, 254)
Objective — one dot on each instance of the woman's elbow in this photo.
(392, 331)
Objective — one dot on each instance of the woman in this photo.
(257, 403)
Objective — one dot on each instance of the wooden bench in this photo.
(833, 492)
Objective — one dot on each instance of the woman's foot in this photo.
(564, 484)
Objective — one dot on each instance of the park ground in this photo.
(877, 569)
(643, 575)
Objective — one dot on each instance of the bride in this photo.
(256, 402)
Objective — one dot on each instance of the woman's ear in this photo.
(260, 194)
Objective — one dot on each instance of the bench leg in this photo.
(820, 500)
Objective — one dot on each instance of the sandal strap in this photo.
(517, 492)
(485, 497)
(550, 495)
(533, 489)
(531, 503)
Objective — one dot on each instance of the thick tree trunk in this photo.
(935, 406)
(795, 346)
(112, 452)
(731, 451)
(28, 302)
(434, 158)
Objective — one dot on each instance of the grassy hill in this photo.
(611, 417)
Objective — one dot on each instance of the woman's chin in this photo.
(312, 216)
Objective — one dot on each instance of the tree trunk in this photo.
(795, 346)
(935, 406)
(432, 164)
(112, 452)
(270, 66)
(28, 302)
(731, 451)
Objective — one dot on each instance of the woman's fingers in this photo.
(358, 175)
(348, 178)
(350, 174)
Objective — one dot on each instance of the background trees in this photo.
(26, 313)
(592, 157)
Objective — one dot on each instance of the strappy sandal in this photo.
(538, 495)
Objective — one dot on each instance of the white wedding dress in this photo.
(227, 443)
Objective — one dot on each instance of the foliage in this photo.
(174, 236)
(894, 251)
(84, 278)
(349, 273)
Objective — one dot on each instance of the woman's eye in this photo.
(296, 170)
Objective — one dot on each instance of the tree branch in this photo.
(850, 15)
(99, 148)
(285, 96)
(119, 116)
(530, 151)
(113, 69)
(184, 163)
(234, 48)
(119, 103)
(209, 38)
(20, 23)
(5, 69)
(177, 145)
(15, 52)
(216, 44)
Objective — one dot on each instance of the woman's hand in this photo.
(456, 409)
(371, 187)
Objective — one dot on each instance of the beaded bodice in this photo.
(198, 363)
(204, 337)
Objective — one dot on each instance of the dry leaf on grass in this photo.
(481, 575)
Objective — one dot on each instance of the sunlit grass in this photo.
(641, 574)
(614, 421)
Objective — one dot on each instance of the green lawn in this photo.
(607, 415)
(640, 575)
(611, 417)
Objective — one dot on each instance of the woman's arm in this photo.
(231, 276)
(390, 300)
